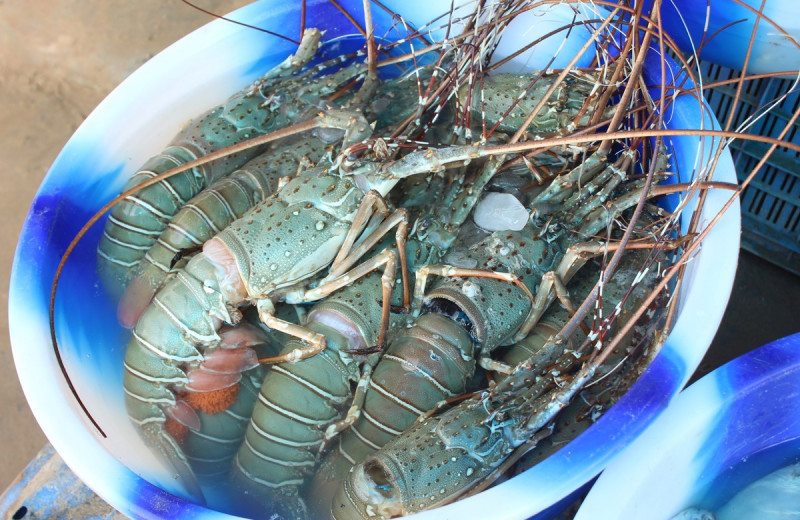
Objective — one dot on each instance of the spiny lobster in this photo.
(433, 357)
(448, 455)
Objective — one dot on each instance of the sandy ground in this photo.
(59, 58)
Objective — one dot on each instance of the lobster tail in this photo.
(165, 445)
(164, 347)
(211, 448)
(137, 222)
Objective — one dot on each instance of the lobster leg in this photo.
(400, 219)
(577, 254)
(318, 343)
(354, 124)
(387, 258)
(447, 270)
(338, 279)
(348, 254)
(553, 284)
(353, 413)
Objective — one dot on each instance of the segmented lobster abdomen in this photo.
(280, 449)
(294, 406)
(423, 365)
(137, 221)
(227, 199)
(182, 318)
(209, 213)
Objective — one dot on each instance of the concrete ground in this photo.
(59, 58)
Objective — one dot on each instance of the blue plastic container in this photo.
(721, 31)
(730, 428)
(771, 202)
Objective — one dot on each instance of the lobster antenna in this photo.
(56, 350)
(302, 17)
(215, 15)
(371, 49)
(415, 33)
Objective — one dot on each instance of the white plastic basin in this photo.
(135, 121)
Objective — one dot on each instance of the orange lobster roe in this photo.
(212, 402)
(177, 430)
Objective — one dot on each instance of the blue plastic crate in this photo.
(771, 202)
